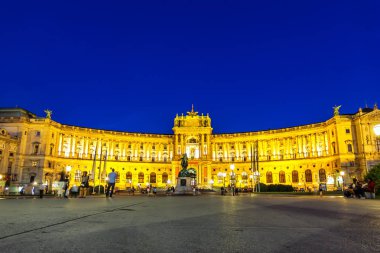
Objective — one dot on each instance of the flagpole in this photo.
(93, 168)
(257, 165)
(100, 166)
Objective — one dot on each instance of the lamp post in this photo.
(68, 169)
(232, 167)
(342, 175)
(211, 183)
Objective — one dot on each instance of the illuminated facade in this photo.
(39, 149)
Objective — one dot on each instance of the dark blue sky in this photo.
(252, 65)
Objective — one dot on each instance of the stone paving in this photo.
(245, 223)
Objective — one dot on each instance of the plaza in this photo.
(206, 223)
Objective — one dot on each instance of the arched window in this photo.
(269, 178)
(308, 176)
(322, 175)
(164, 177)
(244, 176)
(282, 177)
(129, 177)
(141, 177)
(295, 176)
(152, 178)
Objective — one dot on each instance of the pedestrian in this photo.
(111, 183)
(66, 192)
(320, 190)
(236, 191)
(84, 185)
(74, 191)
(42, 189)
(222, 190)
(154, 191)
(370, 189)
(133, 190)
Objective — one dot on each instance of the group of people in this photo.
(361, 190)
(74, 190)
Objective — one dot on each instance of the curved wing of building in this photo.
(36, 149)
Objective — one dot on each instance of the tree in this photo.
(374, 174)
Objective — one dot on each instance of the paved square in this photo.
(190, 224)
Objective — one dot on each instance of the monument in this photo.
(185, 177)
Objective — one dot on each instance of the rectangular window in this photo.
(38, 133)
(347, 131)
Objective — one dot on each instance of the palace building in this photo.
(39, 149)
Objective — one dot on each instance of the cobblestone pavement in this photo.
(190, 224)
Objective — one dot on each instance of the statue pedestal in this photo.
(184, 186)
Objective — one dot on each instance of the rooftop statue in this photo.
(48, 113)
(336, 110)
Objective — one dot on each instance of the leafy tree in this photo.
(374, 174)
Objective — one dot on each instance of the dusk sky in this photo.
(133, 65)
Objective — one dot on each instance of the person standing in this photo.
(66, 192)
(111, 183)
(84, 185)
(371, 188)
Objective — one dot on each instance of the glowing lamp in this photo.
(376, 129)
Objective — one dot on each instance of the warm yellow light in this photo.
(169, 181)
(342, 173)
(232, 166)
(68, 168)
(376, 129)
(1, 176)
(211, 181)
(107, 178)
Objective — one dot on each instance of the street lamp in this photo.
(376, 129)
(211, 183)
(232, 167)
(342, 175)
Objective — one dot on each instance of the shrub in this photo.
(374, 174)
(276, 188)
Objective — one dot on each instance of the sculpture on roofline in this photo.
(336, 110)
(48, 113)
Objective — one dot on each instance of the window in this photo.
(77, 176)
(295, 176)
(38, 133)
(164, 177)
(333, 148)
(347, 130)
(244, 176)
(349, 148)
(282, 177)
(152, 178)
(11, 154)
(269, 177)
(308, 176)
(129, 177)
(129, 158)
(154, 147)
(141, 177)
(322, 175)
(165, 159)
(165, 147)
(378, 144)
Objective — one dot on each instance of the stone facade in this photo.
(39, 149)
